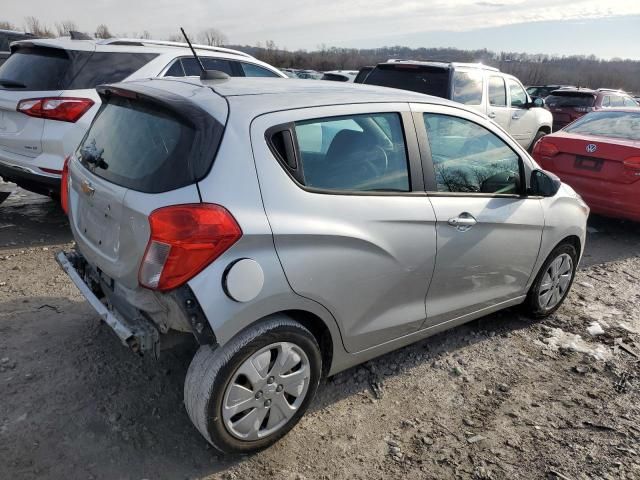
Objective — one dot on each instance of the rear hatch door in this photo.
(139, 155)
(569, 106)
(32, 71)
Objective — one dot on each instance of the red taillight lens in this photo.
(184, 240)
(56, 108)
(632, 168)
(64, 187)
(545, 148)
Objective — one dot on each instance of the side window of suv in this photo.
(497, 92)
(251, 70)
(468, 158)
(192, 69)
(630, 102)
(617, 101)
(467, 87)
(357, 153)
(518, 95)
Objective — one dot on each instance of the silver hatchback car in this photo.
(298, 228)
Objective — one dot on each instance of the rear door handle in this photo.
(463, 222)
(492, 115)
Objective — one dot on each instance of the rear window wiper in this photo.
(11, 83)
(92, 155)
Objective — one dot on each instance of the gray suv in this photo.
(297, 228)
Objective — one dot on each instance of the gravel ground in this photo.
(499, 398)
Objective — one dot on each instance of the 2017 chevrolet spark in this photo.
(298, 228)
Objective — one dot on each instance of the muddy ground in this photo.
(499, 398)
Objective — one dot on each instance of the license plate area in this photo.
(588, 163)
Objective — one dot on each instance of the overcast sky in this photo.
(605, 28)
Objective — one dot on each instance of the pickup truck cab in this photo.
(496, 94)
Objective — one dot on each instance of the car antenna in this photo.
(206, 74)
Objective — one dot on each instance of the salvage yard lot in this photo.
(501, 397)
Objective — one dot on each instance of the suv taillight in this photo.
(65, 109)
(184, 240)
(632, 169)
(64, 187)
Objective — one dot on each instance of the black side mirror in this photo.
(544, 184)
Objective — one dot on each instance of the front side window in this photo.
(468, 158)
(358, 153)
(630, 102)
(251, 70)
(467, 87)
(518, 95)
(497, 92)
(616, 101)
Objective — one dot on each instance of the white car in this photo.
(498, 95)
(48, 97)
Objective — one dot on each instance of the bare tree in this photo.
(145, 35)
(174, 37)
(4, 25)
(212, 37)
(102, 31)
(33, 25)
(63, 28)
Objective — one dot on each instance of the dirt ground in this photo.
(499, 398)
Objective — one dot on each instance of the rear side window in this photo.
(468, 87)
(109, 67)
(570, 100)
(192, 69)
(35, 69)
(141, 146)
(357, 153)
(251, 70)
(417, 78)
(497, 92)
(468, 158)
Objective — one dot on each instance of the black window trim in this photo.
(430, 172)
(414, 162)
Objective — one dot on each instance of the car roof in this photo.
(440, 64)
(257, 96)
(130, 45)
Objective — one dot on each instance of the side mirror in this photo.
(544, 184)
(537, 102)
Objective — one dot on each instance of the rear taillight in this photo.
(56, 108)
(545, 148)
(184, 240)
(64, 187)
(632, 168)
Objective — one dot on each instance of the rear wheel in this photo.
(246, 395)
(553, 282)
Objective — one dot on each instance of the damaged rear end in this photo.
(141, 229)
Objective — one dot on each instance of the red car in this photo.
(599, 156)
(569, 104)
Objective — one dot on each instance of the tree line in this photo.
(531, 69)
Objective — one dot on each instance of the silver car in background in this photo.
(298, 228)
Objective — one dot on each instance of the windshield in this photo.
(417, 78)
(35, 69)
(571, 99)
(625, 125)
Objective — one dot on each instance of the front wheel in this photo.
(553, 282)
(246, 395)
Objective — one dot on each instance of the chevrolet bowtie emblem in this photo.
(86, 187)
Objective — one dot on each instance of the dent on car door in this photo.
(488, 232)
(523, 123)
(352, 225)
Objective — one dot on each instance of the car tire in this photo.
(545, 282)
(216, 384)
(539, 135)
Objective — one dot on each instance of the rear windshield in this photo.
(570, 99)
(334, 77)
(624, 125)
(42, 68)
(139, 145)
(35, 69)
(417, 78)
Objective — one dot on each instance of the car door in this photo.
(498, 111)
(343, 191)
(488, 231)
(523, 124)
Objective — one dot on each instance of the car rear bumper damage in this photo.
(135, 328)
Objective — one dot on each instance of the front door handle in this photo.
(492, 115)
(515, 116)
(463, 222)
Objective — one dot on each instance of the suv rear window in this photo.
(42, 68)
(35, 69)
(148, 147)
(570, 99)
(416, 78)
